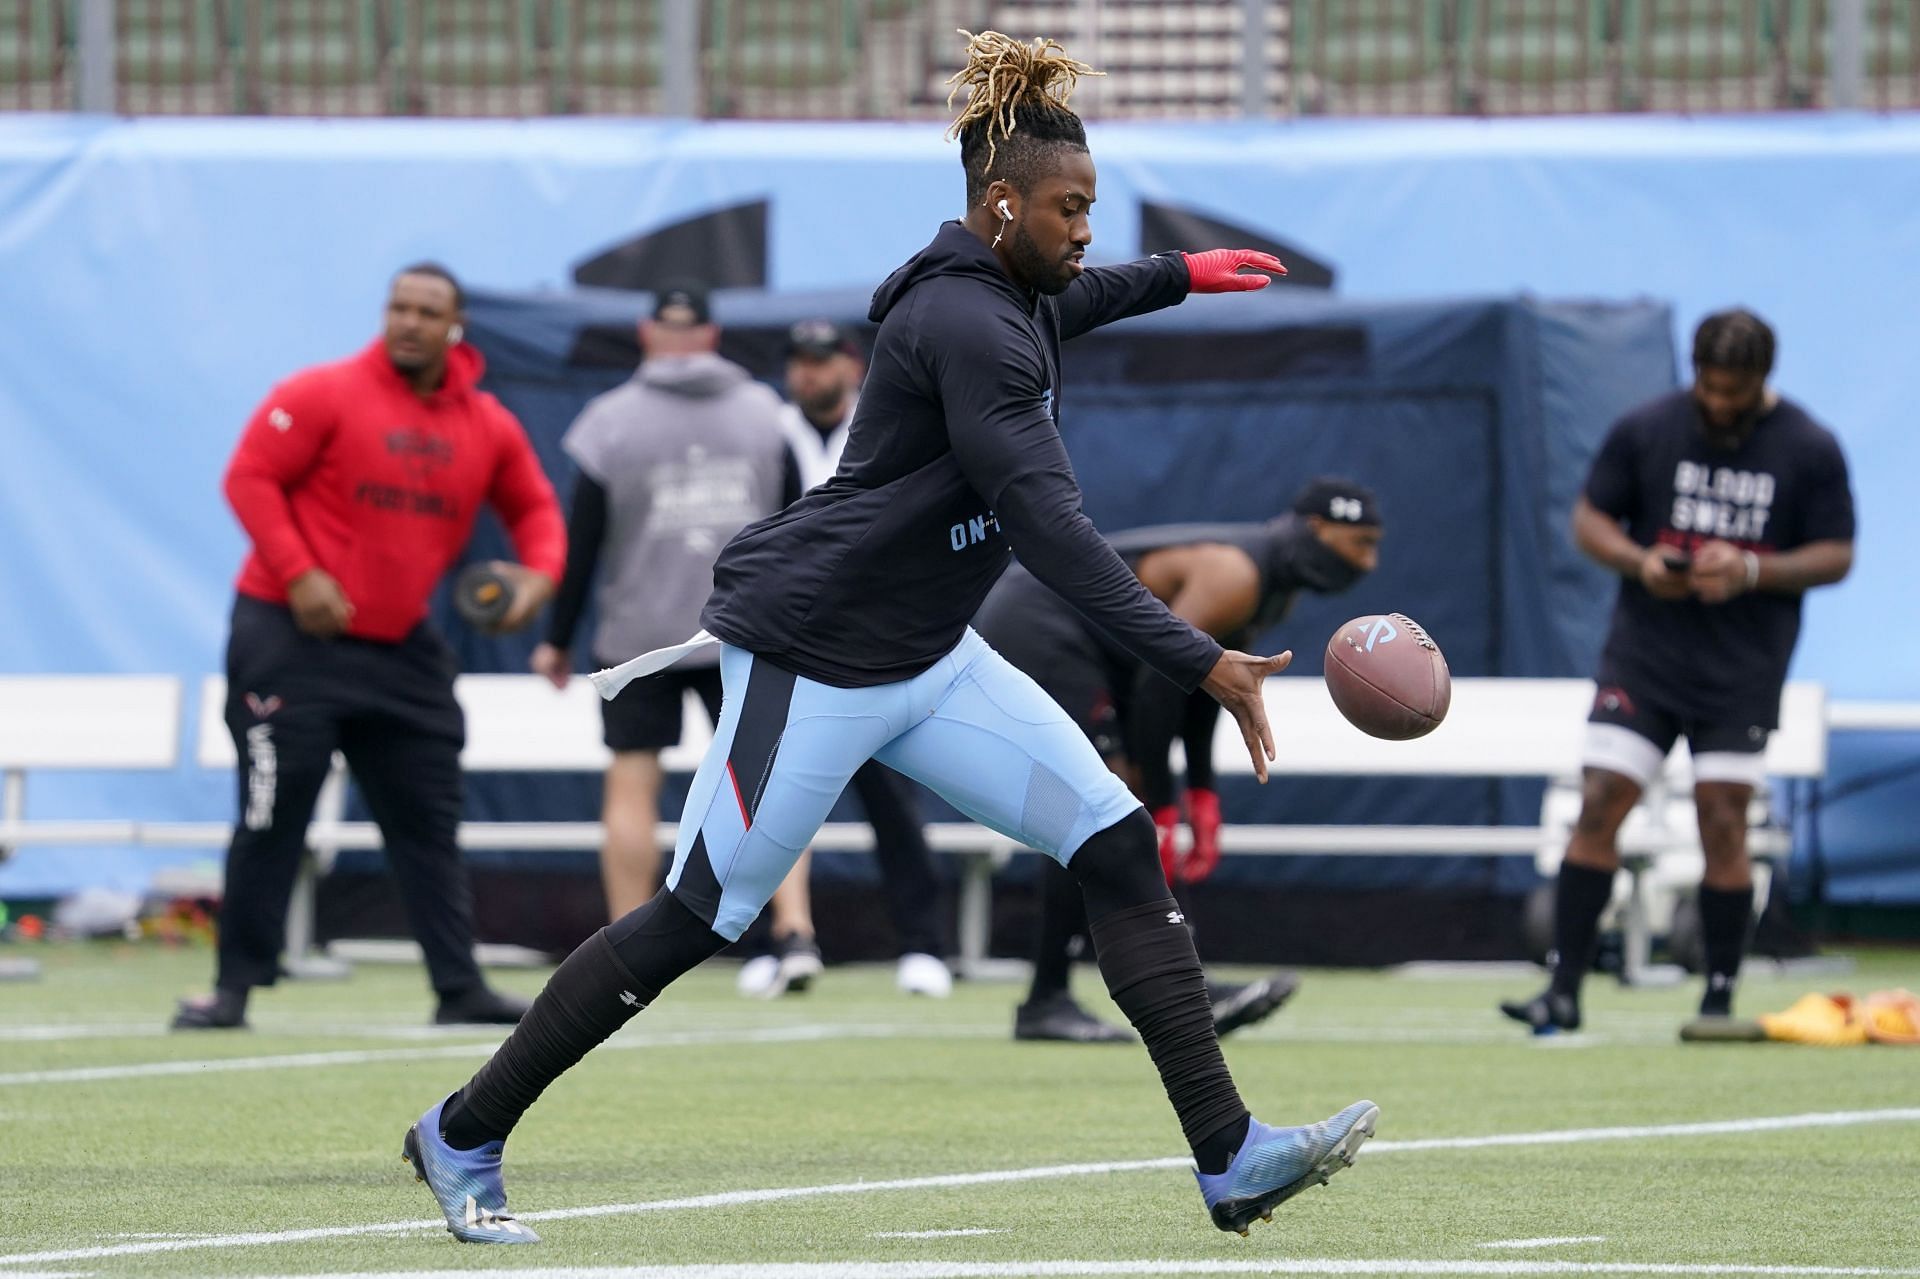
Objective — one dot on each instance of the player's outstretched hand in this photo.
(1218, 270)
(1235, 682)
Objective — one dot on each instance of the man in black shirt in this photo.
(1233, 581)
(1719, 507)
(844, 637)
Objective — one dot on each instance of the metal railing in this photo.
(888, 59)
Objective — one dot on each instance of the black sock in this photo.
(598, 989)
(1214, 1153)
(1579, 897)
(1063, 916)
(1146, 956)
(1724, 920)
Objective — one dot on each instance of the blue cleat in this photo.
(1275, 1164)
(467, 1183)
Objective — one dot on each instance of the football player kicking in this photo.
(843, 631)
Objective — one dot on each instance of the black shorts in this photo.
(646, 715)
(1724, 749)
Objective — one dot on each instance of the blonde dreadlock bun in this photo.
(1011, 83)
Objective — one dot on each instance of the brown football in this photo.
(1388, 677)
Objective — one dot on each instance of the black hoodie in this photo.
(953, 462)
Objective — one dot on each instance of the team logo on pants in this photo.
(263, 775)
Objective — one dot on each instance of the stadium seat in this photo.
(606, 55)
(1690, 54)
(1349, 54)
(787, 46)
(1538, 42)
(36, 50)
(318, 57)
(476, 57)
(174, 55)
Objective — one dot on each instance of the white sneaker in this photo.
(922, 974)
(758, 977)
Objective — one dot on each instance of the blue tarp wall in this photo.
(156, 276)
(1474, 421)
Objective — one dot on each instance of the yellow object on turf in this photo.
(1826, 1020)
(1892, 1017)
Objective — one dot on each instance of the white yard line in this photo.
(1551, 1241)
(734, 1198)
(1077, 1269)
(360, 1057)
(933, 1234)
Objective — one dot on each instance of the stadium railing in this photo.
(889, 59)
(1496, 728)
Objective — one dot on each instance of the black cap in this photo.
(1340, 500)
(680, 299)
(819, 338)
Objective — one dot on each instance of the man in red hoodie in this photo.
(358, 483)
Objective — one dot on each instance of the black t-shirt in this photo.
(1785, 486)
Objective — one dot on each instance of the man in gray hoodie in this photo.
(672, 463)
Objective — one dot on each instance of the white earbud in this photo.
(457, 332)
(1006, 214)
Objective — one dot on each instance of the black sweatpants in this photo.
(292, 700)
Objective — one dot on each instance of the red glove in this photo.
(1218, 270)
(1166, 820)
(1203, 818)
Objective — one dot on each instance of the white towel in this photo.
(615, 678)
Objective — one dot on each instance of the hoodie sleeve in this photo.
(525, 501)
(992, 386)
(283, 440)
(1103, 294)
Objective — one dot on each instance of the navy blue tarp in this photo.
(1473, 419)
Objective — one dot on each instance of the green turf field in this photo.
(715, 1136)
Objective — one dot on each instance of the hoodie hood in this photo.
(698, 377)
(465, 365)
(954, 251)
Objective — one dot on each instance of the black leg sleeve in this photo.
(598, 989)
(1147, 959)
(1580, 896)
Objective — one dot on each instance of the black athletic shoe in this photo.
(799, 956)
(481, 1007)
(1546, 1013)
(1237, 1004)
(1059, 1018)
(222, 1010)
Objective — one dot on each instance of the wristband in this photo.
(1753, 569)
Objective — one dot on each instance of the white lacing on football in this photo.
(1414, 629)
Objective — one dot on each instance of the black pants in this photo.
(907, 876)
(292, 700)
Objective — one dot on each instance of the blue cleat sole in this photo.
(1238, 1215)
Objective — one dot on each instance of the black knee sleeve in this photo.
(1119, 867)
(662, 941)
